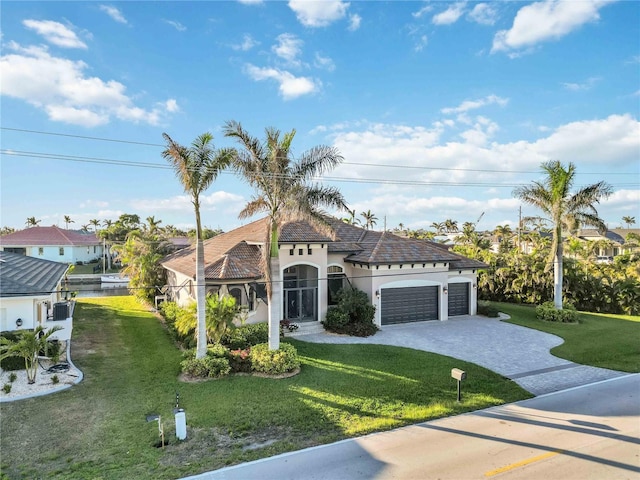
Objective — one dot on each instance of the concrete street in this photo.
(591, 431)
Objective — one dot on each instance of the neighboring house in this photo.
(406, 279)
(31, 294)
(610, 244)
(53, 243)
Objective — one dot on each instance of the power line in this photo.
(83, 137)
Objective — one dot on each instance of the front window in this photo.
(336, 280)
(61, 251)
(40, 251)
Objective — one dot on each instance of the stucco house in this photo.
(32, 294)
(610, 243)
(53, 243)
(406, 279)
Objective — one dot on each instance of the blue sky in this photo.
(439, 108)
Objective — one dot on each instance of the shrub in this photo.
(217, 350)
(11, 363)
(52, 349)
(352, 315)
(488, 310)
(240, 360)
(12, 377)
(246, 336)
(6, 387)
(207, 367)
(55, 380)
(171, 311)
(549, 313)
(274, 362)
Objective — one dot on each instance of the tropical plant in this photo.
(7, 230)
(629, 220)
(370, 219)
(84, 228)
(27, 345)
(221, 311)
(197, 167)
(32, 222)
(67, 221)
(553, 197)
(141, 255)
(152, 224)
(439, 227)
(96, 223)
(351, 219)
(450, 226)
(283, 191)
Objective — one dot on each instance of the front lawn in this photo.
(97, 429)
(600, 339)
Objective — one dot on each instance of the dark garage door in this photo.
(410, 304)
(458, 299)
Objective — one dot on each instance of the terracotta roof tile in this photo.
(53, 236)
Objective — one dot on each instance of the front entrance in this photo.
(301, 293)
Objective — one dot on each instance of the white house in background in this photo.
(53, 243)
(408, 280)
(31, 294)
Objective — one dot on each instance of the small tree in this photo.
(27, 346)
(220, 312)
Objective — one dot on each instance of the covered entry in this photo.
(458, 299)
(301, 293)
(408, 304)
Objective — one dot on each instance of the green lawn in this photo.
(97, 429)
(601, 340)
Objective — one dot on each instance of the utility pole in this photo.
(519, 227)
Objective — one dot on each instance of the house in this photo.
(53, 243)
(406, 279)
(608, 244)
(32, 294)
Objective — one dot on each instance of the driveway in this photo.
(518, 353)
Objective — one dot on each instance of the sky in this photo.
(440, 109)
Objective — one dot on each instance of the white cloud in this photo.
(177, 25)
(546, 20)
(59, 87)
(318, 13)
(420, 43)
(628, 199)
(289, 47)
(172, 106)
(247, 43)
(290, 86)
(586, 85)
(325, 63)
(425, 9)
(55, 33)
(114, 13)
(354, 22)
(216, 201)
(484, 14)
(450, 15)
(475, 104)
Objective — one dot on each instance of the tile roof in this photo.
(21, 275)
(237, 255)
(53, 236)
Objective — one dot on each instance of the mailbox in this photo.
(458, 374)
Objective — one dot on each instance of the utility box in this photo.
(60, 311)
(181, 424)
(458, 374)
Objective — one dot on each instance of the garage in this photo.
(408, 304)
(458, 299)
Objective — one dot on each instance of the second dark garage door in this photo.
(458, 299)
(409, 304)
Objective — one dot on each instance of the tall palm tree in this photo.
(84, 228)
(629, 221)
(197, 167)
(351, 219)
(369, 219)
(283, 191)
(96, 223)
(67, 221)
(451, 226)
(32, 222)
(107, 223)
(153, 224)
(438, 227)
(553, 197)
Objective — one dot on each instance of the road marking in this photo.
(522, 463)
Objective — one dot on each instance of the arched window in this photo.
(236, 292)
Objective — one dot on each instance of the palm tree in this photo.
(107, 223)
(351, 219)
(28, 345)
(369, 219)
(629, 221)
(32, 222)
(197, 167)
(283, 190)
(67, 221)
(96, 223)
(153, 224)
(438, 227)
(451, 226)
(84, 228)
(553, 197)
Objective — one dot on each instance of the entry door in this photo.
(300, 304)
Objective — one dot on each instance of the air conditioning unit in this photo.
(60, 311)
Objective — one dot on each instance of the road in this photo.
(586, 432)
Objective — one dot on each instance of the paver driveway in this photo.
(519, 353)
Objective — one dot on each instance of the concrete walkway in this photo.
(519, 353)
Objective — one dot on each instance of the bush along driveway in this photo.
(97, 429)
(518, 353)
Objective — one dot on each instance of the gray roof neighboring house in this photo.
(22, 276)
(592, 233)
(237, 254)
